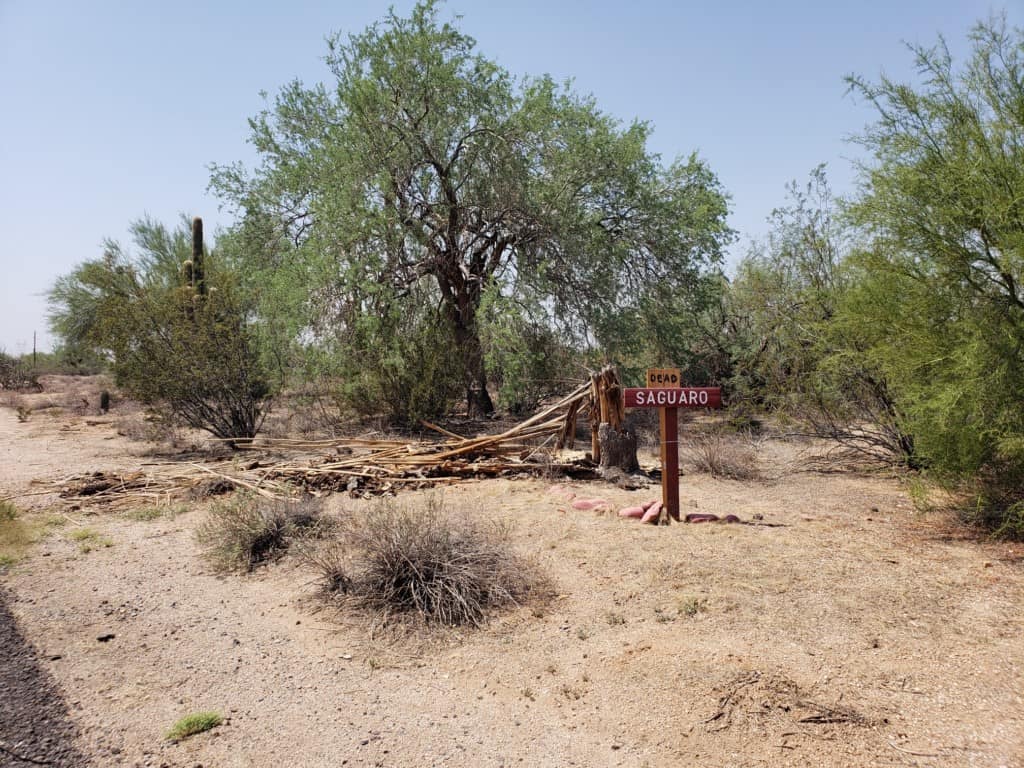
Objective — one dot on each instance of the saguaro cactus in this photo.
(198, 271)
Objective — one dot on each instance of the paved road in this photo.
(34, 725)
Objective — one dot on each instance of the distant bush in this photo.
(401, 563)
(16, 374)
(724, 456)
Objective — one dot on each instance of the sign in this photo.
(663, 391)
(659, 378)
(680, 397)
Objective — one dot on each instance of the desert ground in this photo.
(855, 630)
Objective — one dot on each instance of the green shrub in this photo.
(187, 346)
(405, 367)
(15, 534)
(528, 360)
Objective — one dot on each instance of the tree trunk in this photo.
(613, 445)
(618, 449)
(478, 400)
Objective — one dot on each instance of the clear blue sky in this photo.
(111, 110)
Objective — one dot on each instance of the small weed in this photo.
(662, 616)
(691, 606)
(571, 692)
(615, 619)
(23, 413)
(551, 669)
(7, 511)
(155, 512)
(920, 495)
(583, 633)
(15, 534)
(88, 546)
(190, 725)
(374, 663)
(83, 534)
(529, 694)
(89, 540)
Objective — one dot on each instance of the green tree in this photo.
(426, 170)
(796, 332)
(943, 205)
(182, 344)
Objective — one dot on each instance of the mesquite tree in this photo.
(426, 169)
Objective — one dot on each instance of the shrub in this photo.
(180, 332)
(425, 565)
(245, 531)
(723, 456)
(16, 375)
(525, 358)
(405, 367)
(8, 512)
(190, 725)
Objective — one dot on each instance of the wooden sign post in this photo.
(664, 392)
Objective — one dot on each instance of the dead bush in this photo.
(245, 531)
(721, 455)
(400, 563)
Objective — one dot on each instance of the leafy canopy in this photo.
(943, 205)
(426, 170)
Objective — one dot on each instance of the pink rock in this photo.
(651, 515)
(701, 517)
(589, 503)
(563, 491)
(648, 504)
(637, 512)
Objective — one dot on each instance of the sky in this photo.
(114, 110)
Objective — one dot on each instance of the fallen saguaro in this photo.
(358, 466)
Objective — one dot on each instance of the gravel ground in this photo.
(855, 631)
(34, 725)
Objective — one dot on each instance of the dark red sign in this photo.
(681, 397)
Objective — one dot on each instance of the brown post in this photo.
(669, 418)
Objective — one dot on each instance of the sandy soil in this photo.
(857, 633)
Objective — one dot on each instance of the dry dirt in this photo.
(858, 632)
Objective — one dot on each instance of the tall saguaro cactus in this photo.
(198, 272)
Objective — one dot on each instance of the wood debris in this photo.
(361, 467)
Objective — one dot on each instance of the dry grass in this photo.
(16, 535)
(245, 531)
(721, 455)
(400, 563)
